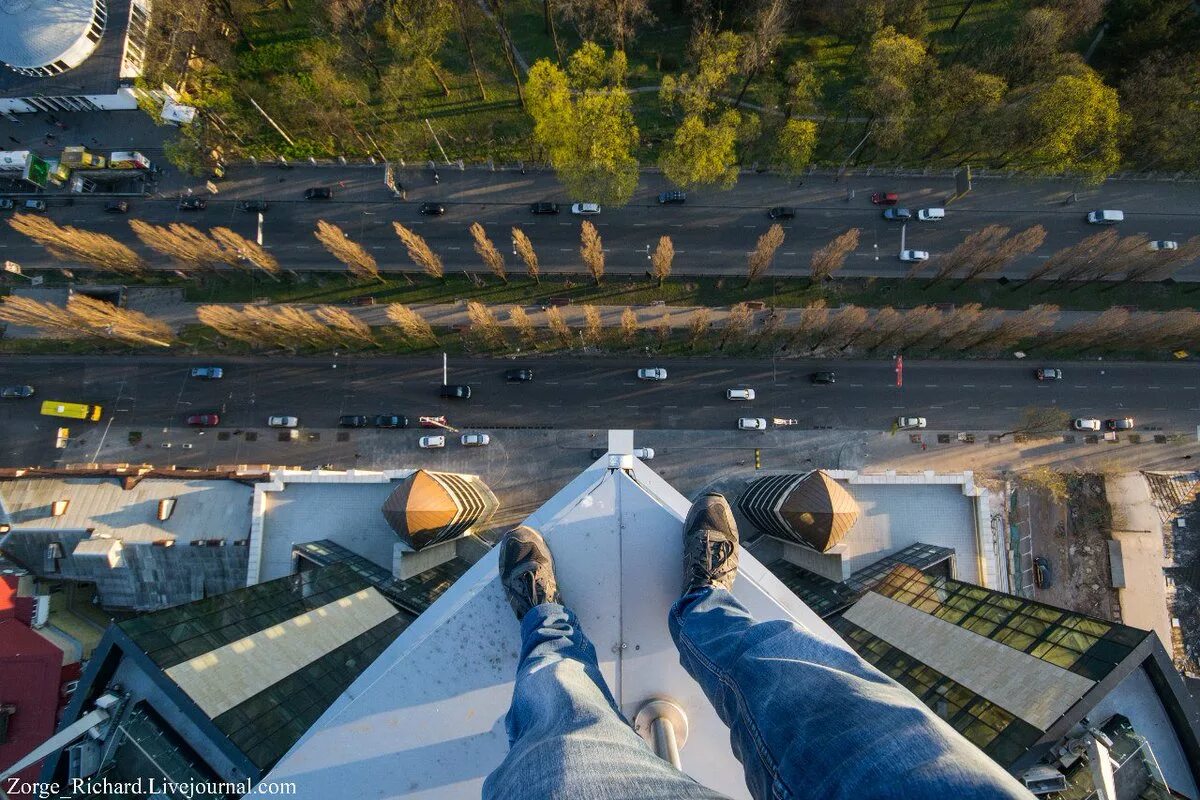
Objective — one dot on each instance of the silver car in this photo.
(475, 440)
(283, 422)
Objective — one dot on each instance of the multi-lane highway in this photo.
(157, 394)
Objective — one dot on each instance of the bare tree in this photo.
(484, 325)
(737, 325)
(1040, 420)
(887, 322)
(764, 253)
(525, 250)
(593, 326)
(1029, 324)
(524, 325)
(961, 320)
(48, 317)
(830, 258)
(971, 251)
(662, 259)
(339, 244)
(72, 244)
(1008, 249)
(558, 327)
(809, 329)
(1095, 331)
(487, 251)
(846, 325)
(769, 25)
(185, 245)
(420, 252)
(698, 326)
(629, 327)
(412, 325)
(919, 324)
(244, 251)
(591, 250)
(345, 325)
(122, 324)
(662, 329)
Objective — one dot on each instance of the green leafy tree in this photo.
(1073, 124)
(1163, 107)
(962, 105)
(797, 140)
(703, 155)
(894, 64)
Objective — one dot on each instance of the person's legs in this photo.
(567, 740)
(809, 718)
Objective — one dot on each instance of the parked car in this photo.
(823, 377)
(391, 421)
(432, 422)
(431, 442)
(518, 375)
(283, 422)
(456, 392)
(362, 300)
(931, 214)
(652, 374)
(543, 208)
(739, 394)
(1109, 217)
(1042, 576)
(6, 204)
(1086, 424)
(910, 422)
(192, 204)
(1164, 244)
(898, 214)
(782, 212)
(1119, 424)
(203, 420)
(318, 193)
(34, 205)
(252, 206)
(671, 198)
(585, 208)
(116, 207)
(475, 440)
(885, 198)
(644, 453)
(752, 424)
(16, 392)
(1047, 374)
(353, 421)
(432, 209)
(914, 255)
(208, 373)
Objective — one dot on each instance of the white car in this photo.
(752, 424)
(585, 208)
(931, 214)
(283, 422)
(475, 439)
(739, 394)
(1086, 424)
(652, 374)
(644, 453)
(914, 255)
(1164, 244)
(430, 442)
(910, 422)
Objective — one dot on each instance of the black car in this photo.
(671, 198)
(116, 207)
(518, 375)
(432, 209)
(252, 206)
(192, 204)
(782, 212)
(318, 193)
(354, 421)
(391, 421)
(456, 392)
(544, 208)
(16, 392)
(824, 377)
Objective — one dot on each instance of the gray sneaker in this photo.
(710, 544)
(527, 570)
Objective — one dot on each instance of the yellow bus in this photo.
(57, 408)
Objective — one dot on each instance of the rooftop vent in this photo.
(59, 507)
(166, 507)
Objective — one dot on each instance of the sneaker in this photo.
(527, 570)
(710, 545)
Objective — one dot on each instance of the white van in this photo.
(1105, 217)
(931, 214)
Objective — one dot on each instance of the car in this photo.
(318, 193)
(652, 374)
(1108, 217)
(931, 214)
(391, 421)
(208, 373)
(456, 392)
(6, 204)
(914, 255)
(597, 452)
(752, 424)
(431, 442)
(116, 207)
(782, 212)
(910, 422)
(823, 377)
(34, 205)
(897, 214)
(885, 198)
(1047, 374)
(1086, 424)
(1119, 424)
(671, 198)
(432, 209)
(192, 204)
(543, 208)
(585, 208)
(475, 440)
(283, 422)
(353, 421)
(1164, 244)
(252, 206)
(204, 420)
(16, 392)
(644, 453)
(1042, 576)
(739, 394)
(518, 375)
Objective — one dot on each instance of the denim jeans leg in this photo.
(811, 719)
(567, 740)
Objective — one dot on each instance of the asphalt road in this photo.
(712, 232)
(157, 394)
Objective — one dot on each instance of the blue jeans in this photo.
(807, 719)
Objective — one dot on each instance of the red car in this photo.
(885, 198)
(203, 420)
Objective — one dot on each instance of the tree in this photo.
(339, 244)
(1012, 329)
(894, 63)
(797, 140)
(701, 154)
(963, 107)
(123, 324)
(615, 20)
(1072, 124)
(72, 244)
(591, 250)
(1159, 99)
(420, 252)
(492, 258)
(662, 329)
(525, 250)
(558, 326)
(244, 251)
(737, 325)
(520, 320)
(764, 253)
(412, 325)
(593, 326)
(845, 325)
(662, 259)
(768, 27)
(30, 313)
(629, 327)
(714, 59)
(484, 325)
(698, 326)
(809, 329)
(1006, 250)
(349, 328)
(1046, 479)
(185, 245)
(830, 258)
(1038, 420)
